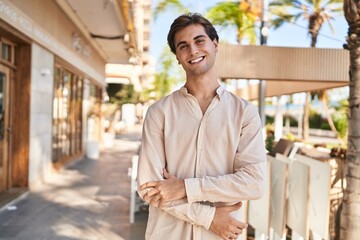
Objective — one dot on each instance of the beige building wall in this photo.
(52, 38)
(42, 87)
(45, 23)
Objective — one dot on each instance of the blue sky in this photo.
(289, 35)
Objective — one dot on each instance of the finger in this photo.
(164, 197)
(155, 199)
(227, 236)
(235, 230)
(166, 174)
(232, 235)
(234, 207)
(150, 193)
(149, 185)
(241, 225)
(224, 236)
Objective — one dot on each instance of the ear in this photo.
(216, 44)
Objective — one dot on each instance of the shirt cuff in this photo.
(193, 190)
(207, 217)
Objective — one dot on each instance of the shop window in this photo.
(67, 115)
(7, 51)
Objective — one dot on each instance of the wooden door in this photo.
(4, 126)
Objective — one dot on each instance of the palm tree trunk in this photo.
(315, 23)
(331, 122)
(314, 27)
(305, 122)
(350, 215)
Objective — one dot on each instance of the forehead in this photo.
(189, 33)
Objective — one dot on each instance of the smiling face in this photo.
(195, 51)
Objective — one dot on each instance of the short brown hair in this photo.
(186, 20)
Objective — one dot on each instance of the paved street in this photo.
(89, 199)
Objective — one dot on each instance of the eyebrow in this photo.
(197, 37)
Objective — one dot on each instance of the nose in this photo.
(194, 49)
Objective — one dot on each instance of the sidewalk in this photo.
(87, 200)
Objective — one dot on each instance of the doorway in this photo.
(15, 89)
(4, 127)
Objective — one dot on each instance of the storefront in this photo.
(51, 82)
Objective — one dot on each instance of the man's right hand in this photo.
(226, 226)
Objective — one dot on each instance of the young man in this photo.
(202, 151)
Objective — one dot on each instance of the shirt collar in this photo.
(219, 91)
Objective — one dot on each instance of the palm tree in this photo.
(168, 74)
(243, 15)
(164, 5)
(323, 98)
(350, 224)
(317, 12)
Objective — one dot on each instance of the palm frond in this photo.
(278, 22)
(164, 5)
(281, 3)
(331, 26)
(337, 9)
(327, 9)
(335, 1)
(300, 4)
(243, 17)
(224, 13)
(296, 17)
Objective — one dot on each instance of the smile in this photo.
(199, 59)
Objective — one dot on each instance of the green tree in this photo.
(242, 15)
(316, 12)
(168, 74)
(164, 5)
(340, 117)
(120, 94)
(350, 215)
(324, 99)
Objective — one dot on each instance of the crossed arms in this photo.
(182, 197)
(171, 189)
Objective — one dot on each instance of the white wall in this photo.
(42, 84)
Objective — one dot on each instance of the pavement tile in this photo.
(89, 199)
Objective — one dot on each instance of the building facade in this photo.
(52, 77)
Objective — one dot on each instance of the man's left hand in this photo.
(167, 190)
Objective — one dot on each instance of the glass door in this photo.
(4, 113)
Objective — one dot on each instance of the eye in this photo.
(200, 41)
(182, 46)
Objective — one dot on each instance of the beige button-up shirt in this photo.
(220, 154)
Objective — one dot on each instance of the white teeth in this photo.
(197, 60)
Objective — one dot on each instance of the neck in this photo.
(202, 87)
